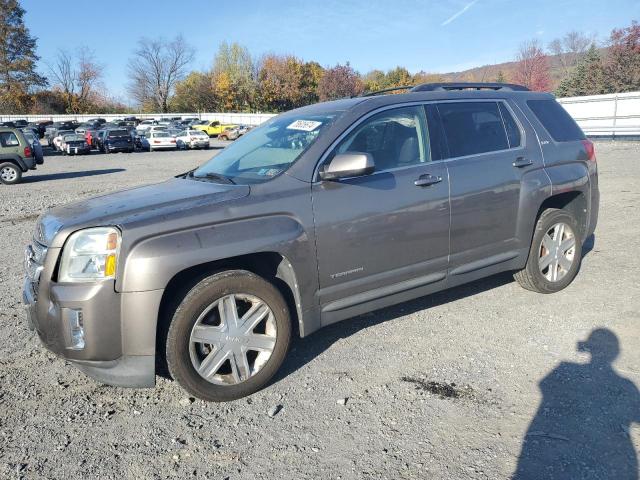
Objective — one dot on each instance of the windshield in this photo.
(268, 150)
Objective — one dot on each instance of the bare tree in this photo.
(63, 76)
(570, 49)
(76, 77)
(88, 76)
(155, 68)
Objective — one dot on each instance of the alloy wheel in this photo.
(557, 252)
(232, 339)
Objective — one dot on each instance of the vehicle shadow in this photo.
(68, 175)
(581, 428)
(303, 350)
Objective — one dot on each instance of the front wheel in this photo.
(10, 174)
(228, 336)
(555, 254)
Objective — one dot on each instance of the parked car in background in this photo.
(229, 134)
(34, 141)
(59, 138)
(20, 123)
(213, 128)
(16, 155)
(97, 120)
(242, 129)
(8, 124)
(41, 126)
(75, 144)
(52, 130)
(158, 140)
(144, 125)
(192, 139)
(118, 140)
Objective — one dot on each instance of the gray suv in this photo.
(320, 214)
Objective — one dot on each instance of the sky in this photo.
(433, 36)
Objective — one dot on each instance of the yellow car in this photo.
(214, 128)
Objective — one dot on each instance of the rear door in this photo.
(488, 157)
(387, 232)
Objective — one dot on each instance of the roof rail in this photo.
(385, 90)
(430, 87)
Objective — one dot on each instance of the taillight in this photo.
(27, 151)
(590, 149)
(157, 141)
(173, 141)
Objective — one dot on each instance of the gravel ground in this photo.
(445, 386)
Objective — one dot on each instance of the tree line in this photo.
(160, 79)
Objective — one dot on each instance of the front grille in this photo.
(34, 257)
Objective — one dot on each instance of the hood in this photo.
(134, 206)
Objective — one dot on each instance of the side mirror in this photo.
(350, 164)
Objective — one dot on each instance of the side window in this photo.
(394, 138)
(472, 128)
(510, 125)
(555, 119)
(9, 139)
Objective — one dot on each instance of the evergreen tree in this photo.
(500, 78)
(587, 78)
(17, 59)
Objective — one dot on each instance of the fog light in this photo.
(75, 328)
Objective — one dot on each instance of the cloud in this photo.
(457, 14)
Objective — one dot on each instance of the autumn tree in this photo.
(155, 68)
(622, 65)
(532, 68)
(233, 77)
(500, 77)
(18, 58)
(339, 82)
(194, 94)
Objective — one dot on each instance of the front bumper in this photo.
(119, 328)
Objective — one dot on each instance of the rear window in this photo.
(118, 133)
(472, 128)
(556, 120)
(9, 139)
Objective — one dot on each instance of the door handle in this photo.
(522, 162)
(427, 180)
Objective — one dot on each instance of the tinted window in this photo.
(395, 138)
(9, 139)
(472, 128)
(118, 133)
(510, 125)
(556, 120)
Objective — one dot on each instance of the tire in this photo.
(222, 137)
(183, 356)
(565, 256)
(10, 173)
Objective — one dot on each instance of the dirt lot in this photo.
(442, 387)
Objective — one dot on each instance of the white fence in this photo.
(615, 115)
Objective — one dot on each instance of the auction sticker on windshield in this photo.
(304, 125)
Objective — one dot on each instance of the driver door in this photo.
(385, 234)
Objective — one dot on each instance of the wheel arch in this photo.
(574, 202)
(270, 265)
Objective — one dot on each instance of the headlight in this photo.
(90, 254)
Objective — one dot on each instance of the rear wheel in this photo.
(555, 254)
(10, 174)
(228, 336)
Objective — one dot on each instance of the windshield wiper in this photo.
(213, 176)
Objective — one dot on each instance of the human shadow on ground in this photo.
(581, 428)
